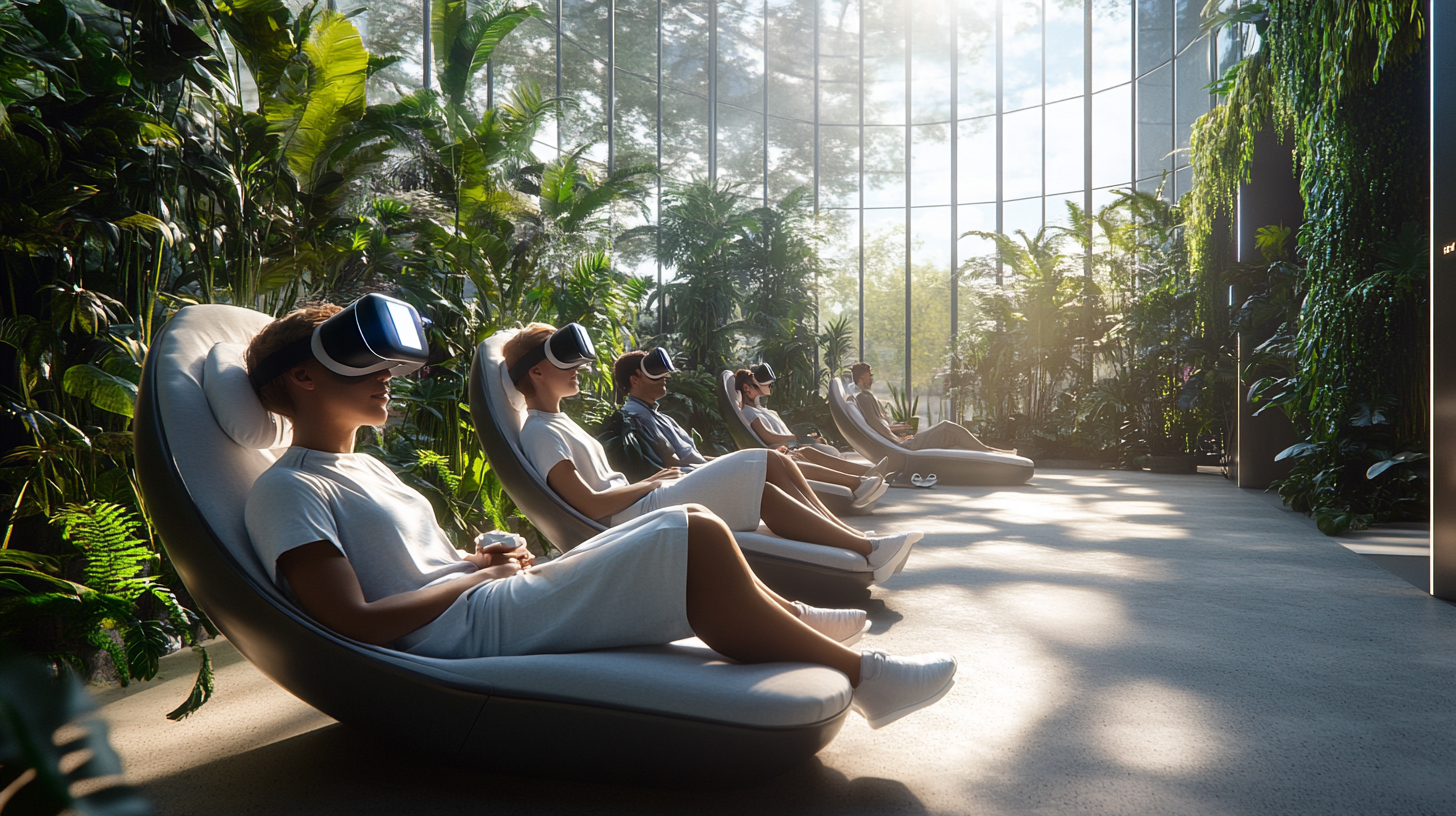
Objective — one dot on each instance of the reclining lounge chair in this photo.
(953, 467)
(837, 498)
(678, 711)
(499, 411)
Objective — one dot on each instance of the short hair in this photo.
(859, 370)
(742, 378)
(628, 364)
(524, 342)
(283, 332)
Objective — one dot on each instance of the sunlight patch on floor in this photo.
(1077, 615)
(1151, 727)
(247, 706)
(1010, 681)
(1026, 559)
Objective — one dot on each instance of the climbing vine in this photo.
(1345, 79)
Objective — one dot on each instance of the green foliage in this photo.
(699, 233)
(1032, 325)
(114, 557)
(135, 180)
(1345, 79)
(44, 724)
(903, 405)
(745, 291)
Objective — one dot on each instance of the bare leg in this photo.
(823, 474)
(731, 614)
(814, 456)
(792, 519)
(785, 603)
(784, 473)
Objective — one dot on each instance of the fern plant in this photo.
(115, 568)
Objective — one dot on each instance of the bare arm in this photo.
(595, 504)
(770, 438)
(329, 591)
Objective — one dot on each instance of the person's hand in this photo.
(664, 475)
(511, 553)
(783, 448)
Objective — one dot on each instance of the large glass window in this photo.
(884, 296)
(1155, 123)
(790, 157)
(1194, 74)
(930, 177)
(838, 166)
(685, 51)
(976, 58)
(1111, 43)
(1065, 123)
(636, 41)
(791, 59)
(1021, 158)
(1064, 50)
(884, 167)
(740, 149)
(839, 62)
(740, 53)
(1154, 34)
(930, 273)
(976, 160)
(884, 62)
(1112, 136)
(902, 117)
(931, 61)
(1022, 62)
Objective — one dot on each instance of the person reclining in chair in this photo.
(644, 376)
(361, 553)
(771, 429)
(741, 487)
(943, 434)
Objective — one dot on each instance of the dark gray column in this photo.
(1271, 196)
(1443, 300)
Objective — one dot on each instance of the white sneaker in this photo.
(846, 626)
(883, 549)
(868, 492)
(880, 468)
(891, 687)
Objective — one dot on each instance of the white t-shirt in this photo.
(548, 438)
(384, 527)
(772, 422)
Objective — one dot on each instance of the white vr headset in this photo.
(568, 347)
(375, 333)
(656, 364)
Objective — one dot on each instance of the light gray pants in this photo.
(945, 434)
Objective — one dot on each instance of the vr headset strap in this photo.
(299, 351)
(524, 365)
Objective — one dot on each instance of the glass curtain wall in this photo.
(911, 121)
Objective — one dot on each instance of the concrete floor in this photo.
(1129, 643)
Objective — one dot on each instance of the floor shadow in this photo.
(337, 770)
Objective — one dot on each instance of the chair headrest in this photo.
(730, 387)
(235, 404)
(507, 402)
